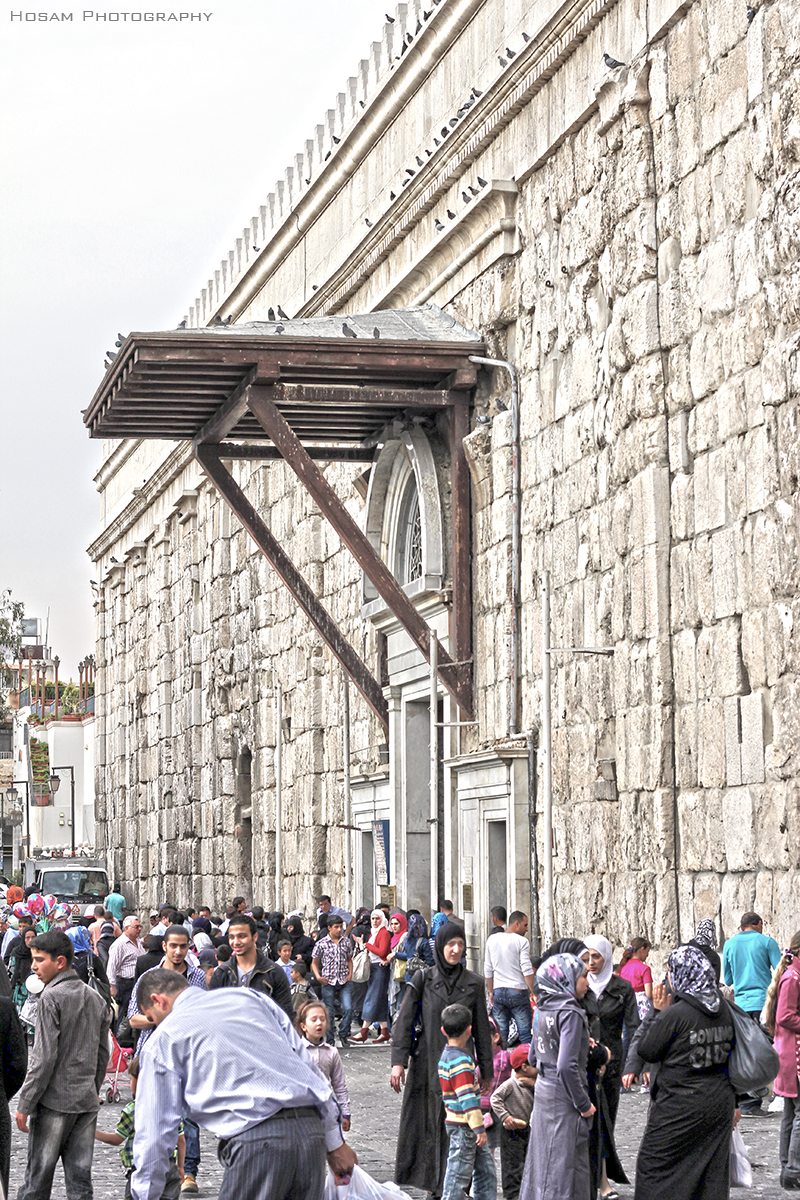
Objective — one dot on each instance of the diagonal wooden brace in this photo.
(209, 458)
(283, 437)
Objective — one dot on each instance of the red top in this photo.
(637, 974)
(380, 943)
(787, 1030)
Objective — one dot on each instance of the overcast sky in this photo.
(133, 155)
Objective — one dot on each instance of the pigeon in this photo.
(500, 406)
(453, 122)
(389, 19)
(113, 560)
(120, 339)
(526, 37)
(751, 12)
(348, 332)
(392, 196)
(483, 420)
(451, 215)
(460, 112)
(327, 156)
(445, 131)
(481, 182)
(420, 163)
(473, 190)
(511, 53)
(279, 328)
(502, 62)
(282, 314)
(428, 152)
(228, 320)
(426, 16)
(409, 38)
(376, 333)
(466, 198)
(270, 314)
(439, 225)
(182, 325)
(308, 181)
(611, 63)
(476, 93)
(367, 222)
(436, 142)
(314, 287)
(336, 141)
(410, 171)
(256, 249)
(217, 319)
(363, 105)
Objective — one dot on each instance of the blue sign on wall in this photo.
(380, 842)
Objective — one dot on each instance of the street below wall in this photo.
(376, 1116)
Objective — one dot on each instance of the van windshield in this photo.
(75, 883)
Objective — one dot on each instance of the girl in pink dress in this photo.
(782, 1017)
(634, 968)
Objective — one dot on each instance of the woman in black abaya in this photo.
(417, 1044)
(685, 1151)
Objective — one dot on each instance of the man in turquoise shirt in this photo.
(115, 904)
(748, 961)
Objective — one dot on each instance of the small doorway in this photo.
(367, 870)
(244, 825)
(497, 863)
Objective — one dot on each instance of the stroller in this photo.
(118, 1060)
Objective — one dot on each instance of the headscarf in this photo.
(398, 916)
(79, 936)
(378, 912)
(602, 945)
(417, 928)
(449, 973)
(439, 919)
(707, 934)
(693, 978)
(202, 925)
(294, 929)
(202, 941)
(566, 946)
(14, 894)
(557, 977)
(275, 920)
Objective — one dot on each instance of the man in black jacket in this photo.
(250, 967)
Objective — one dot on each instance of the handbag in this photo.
(361, 966)
(399, 972)
(753, 1062)
(126, 1035)
(741, 1171)
(103, 989)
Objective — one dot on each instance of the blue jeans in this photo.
(468, 1163)
(508, 1003)
(345, 993)
(54, 1135)
(192, 1135)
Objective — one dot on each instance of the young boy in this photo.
(301, 993)
(124, 1139)
(512, 1105)
(285, 958)
(469, 1159)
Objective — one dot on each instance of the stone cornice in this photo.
(119, 455)
(167, 471)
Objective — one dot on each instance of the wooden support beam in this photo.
(209, 456)
(461, 548)
(358, 454)
(373, 397)
(229, 414)
(376, 570)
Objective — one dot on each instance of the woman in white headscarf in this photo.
(616, 1008)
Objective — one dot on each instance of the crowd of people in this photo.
(229, 1023)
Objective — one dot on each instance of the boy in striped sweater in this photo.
(469, 1160)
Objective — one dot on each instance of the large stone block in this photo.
(723, 98)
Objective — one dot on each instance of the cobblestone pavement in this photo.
(376, 1114)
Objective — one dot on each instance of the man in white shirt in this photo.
(122, 958)
(509, 977)
(256, 1090)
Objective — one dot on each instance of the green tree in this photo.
(10, 646)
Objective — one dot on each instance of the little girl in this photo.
(312, 1021)
(502, 1073)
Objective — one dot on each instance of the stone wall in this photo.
(650, 298)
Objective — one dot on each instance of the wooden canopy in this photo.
(318, 388)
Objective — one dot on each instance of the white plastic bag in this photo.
(361, 1187)
(741, 1172)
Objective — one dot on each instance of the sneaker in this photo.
(790, 1180)
(776, 1105)
(189, 1186)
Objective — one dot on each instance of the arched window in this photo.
(408, 539)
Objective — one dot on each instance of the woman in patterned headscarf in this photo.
(685, 1152)
(705, 939)
(557, 1163)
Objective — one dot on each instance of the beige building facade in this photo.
(626, 238)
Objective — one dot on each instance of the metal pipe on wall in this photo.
(536, 926)
(278, 797)
(348, 842)
(516, 537)
(434, 772)
(547, 770)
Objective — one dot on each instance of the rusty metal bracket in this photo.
(277, 428)
(209, 456)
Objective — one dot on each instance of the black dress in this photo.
(685, 1151)
(616, 1008)
(422, 1141)
(602, 1145)
(15, 1064)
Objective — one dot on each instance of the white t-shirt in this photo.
(507, 961)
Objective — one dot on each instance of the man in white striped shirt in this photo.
(232, 1062)
(122, 959)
